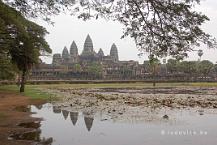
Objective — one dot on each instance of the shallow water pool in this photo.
(182, 127)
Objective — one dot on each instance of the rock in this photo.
(165, 117)
(46, 141)
(201, 112)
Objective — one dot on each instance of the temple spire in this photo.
(114, 52)
(74, 49)
(100, 52)
(88, 46)
(65, 53)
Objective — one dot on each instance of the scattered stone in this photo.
(116, 99)
(201, 112)
(22, 108)
(46, 141)
(35, 124)
(165, 117)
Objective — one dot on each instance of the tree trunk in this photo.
(154, 75)
(154, 83)
(22, 84)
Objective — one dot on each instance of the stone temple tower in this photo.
(88, 47)
(57, 59)
(114, 53)
(73, 52)
(100, 53)
(65, 55)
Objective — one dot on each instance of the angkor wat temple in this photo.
(88, 65)
(88, 54)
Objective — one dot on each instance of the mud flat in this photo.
(164, 126)
(126, 101)
(17, 127)
(160, 116)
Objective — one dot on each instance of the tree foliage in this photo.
(196, 68)
(205, 67)
(40, 8)
(8, 70)
(21, 40)
(162, 27)
(94, 68)
(214, 69)
(188, 67)
(172, 65)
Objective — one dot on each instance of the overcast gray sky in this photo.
(104, 33)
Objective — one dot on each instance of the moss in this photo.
(122, 85)
(31, 91)
(35, 92)
(2, 115)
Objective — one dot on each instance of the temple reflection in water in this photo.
(88, 118)
(56, 109)
(74, 117)
(65, 113)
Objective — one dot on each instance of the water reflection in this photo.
(88, 119)
(89, 128)
(65, 113)
(30, 135)
(38, 106)
(74, 117)
(56, 109)
(33, 135)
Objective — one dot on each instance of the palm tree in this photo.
(200, 53)
(154, 62)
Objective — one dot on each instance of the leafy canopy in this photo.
(21, 41)
(160, 27)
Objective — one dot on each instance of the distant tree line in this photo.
(178, 69)
(193, 68)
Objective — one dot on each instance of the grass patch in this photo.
(31, 91)
(34, 91)
(9, 88)
(203, 84)
(2, 115)
(120, 85)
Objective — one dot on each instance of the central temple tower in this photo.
(88, 47)
(114, 53)
(73, 52)
(65, 55)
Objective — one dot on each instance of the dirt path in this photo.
(14, 110)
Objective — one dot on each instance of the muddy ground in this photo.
(118, 103)
(14, 110)
(128, 102)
